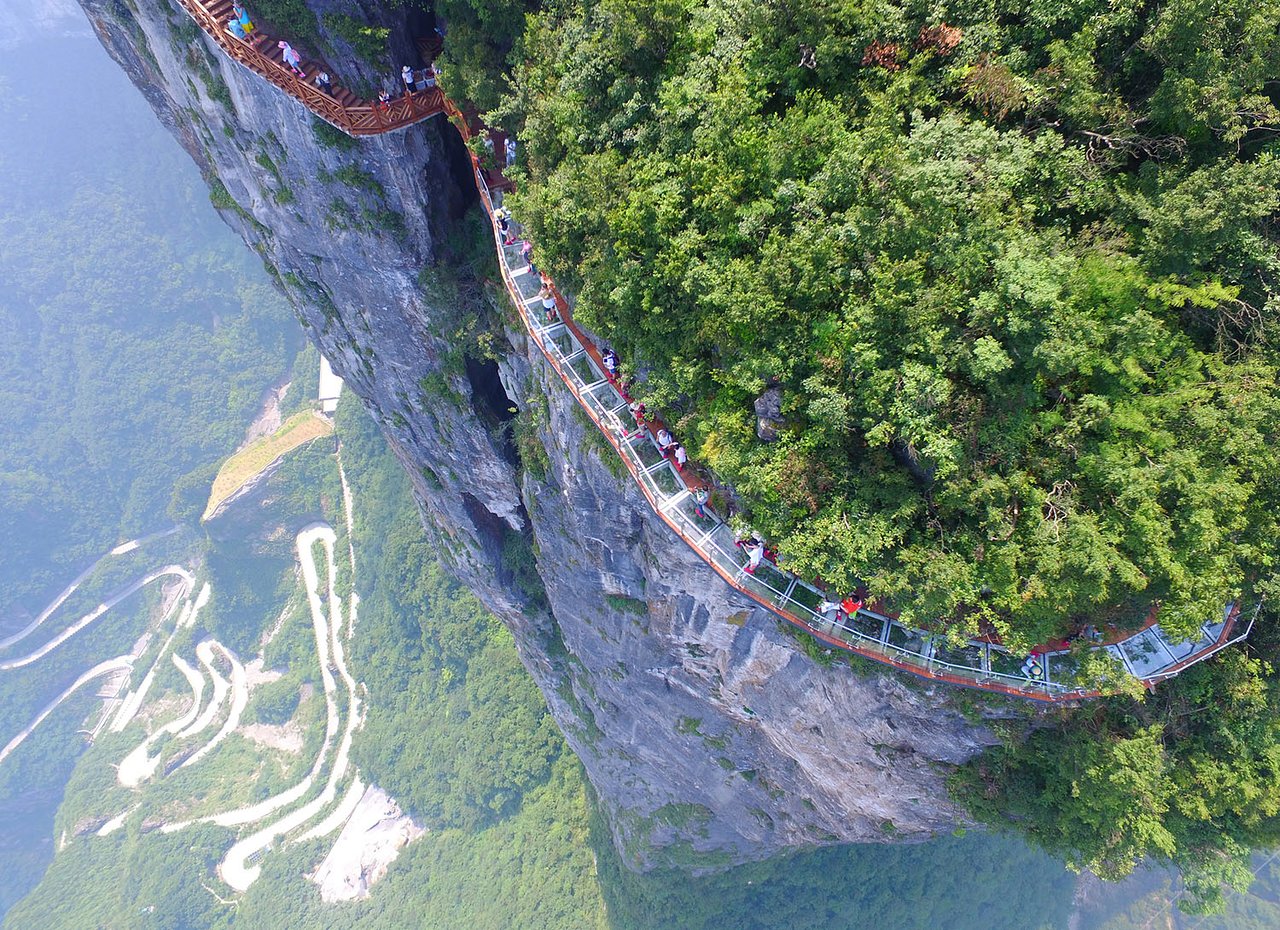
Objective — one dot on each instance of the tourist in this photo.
(236, 29)
(322, 82)
(510, 151)
(850, 606)
(665, 441)
(242, 17)
(637, 411)
(610, 360)
(384, 100)
(291, 57)
(502, 217)
(700, 498)
(429, 77)
(754, 550)
(526, 255)
(681, 457)
(406, 75)
(549, 304)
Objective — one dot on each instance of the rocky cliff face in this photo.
(710, 737)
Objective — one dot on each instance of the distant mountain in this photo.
(25, 20)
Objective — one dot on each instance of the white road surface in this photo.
(96, 613)
(324, 636)
(234, 868)
(348, 506)
(114, 824)
(79, 579)
(239, 700)
(341, 814)
(102, 668)
(132, 702)
(139, 765)
(204, 652)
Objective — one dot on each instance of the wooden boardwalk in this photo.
(340, 107)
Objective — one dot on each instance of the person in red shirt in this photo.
(850, 606)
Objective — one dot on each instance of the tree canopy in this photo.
(1013, 267)
(1012, 264)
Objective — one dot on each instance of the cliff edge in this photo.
(708, 733)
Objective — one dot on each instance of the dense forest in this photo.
(1011, 264)
(1012, 268)
(133, 322)
(138, 336)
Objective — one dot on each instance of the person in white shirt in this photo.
(291, 57)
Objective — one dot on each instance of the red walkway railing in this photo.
(1148, 655)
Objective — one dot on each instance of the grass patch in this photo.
(626, 604)
(354, 177)
(526, 427)
(331, 137)
(292, 17)
(251, 460)
(813, 647)
(594, 439)
(369, 42)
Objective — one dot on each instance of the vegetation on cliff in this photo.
(1190, 777)
(1013, 266)
(132, 322)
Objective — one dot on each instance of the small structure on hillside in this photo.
(330, 388)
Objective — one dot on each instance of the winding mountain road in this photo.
(239, 696)
(235, 868)
(97, 612)
(325, 635)
(77, 581)
(139, 765)
(132, 702)
(119, 663)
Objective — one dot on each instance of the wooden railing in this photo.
(1149, 655)
(367, 118)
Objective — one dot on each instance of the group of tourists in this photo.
(753, 548)
(422, 79)
(667, 444)
(844, 609)
(413, 81)
(242, 27)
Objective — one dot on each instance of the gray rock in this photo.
(710, 737)
(768, 408)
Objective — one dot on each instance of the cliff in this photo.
(710, 736)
